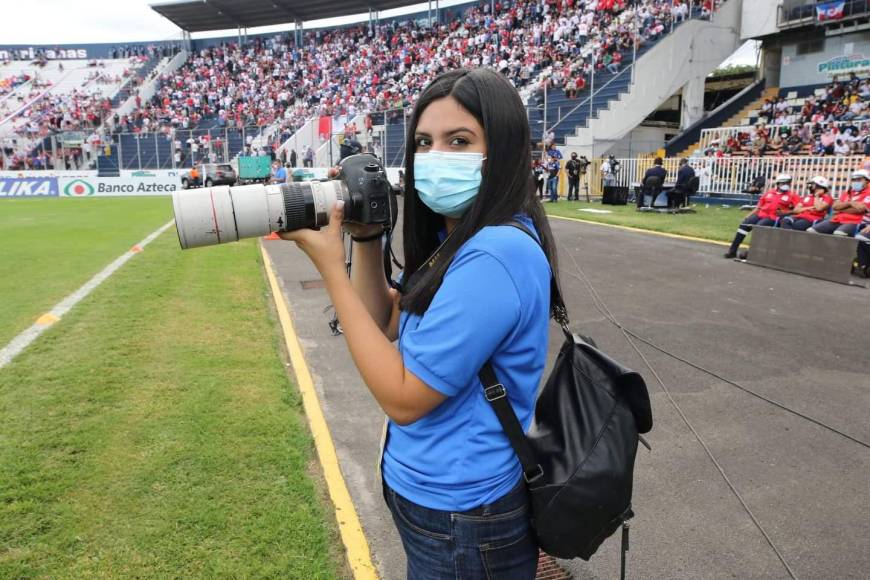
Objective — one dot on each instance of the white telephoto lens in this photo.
(218, 215)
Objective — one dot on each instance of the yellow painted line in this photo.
(358, 554)
(642, 231)
(47, 319)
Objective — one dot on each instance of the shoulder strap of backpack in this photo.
(496, 394)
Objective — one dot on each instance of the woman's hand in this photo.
(356, 230)
(324, 247)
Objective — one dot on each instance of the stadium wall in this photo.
(815, 60)
(642, 140)
(70, 51)
(130, 183)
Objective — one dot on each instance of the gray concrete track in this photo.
(797, 340)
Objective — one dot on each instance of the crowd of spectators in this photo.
(10, 83)
(360, 69)
(599, 36)
(84, 108)
(832, 122)
(270, 81)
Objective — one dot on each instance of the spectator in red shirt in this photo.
(812, 208)
(849, 209)
(775, 203)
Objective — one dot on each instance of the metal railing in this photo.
(732, 175)
(157, 150)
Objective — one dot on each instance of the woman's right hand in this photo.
(356, 230)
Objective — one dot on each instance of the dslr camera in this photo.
(222, 214)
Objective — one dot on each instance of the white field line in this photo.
(23, 340)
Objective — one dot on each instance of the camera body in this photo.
(370, 196)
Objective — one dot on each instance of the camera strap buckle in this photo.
(495, 392)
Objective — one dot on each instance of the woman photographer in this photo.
(475, 289)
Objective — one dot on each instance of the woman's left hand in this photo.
(325, 247)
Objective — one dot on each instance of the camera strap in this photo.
(390, 260)
(408, 282)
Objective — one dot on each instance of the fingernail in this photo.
(339, 204)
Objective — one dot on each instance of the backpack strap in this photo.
(496, 394)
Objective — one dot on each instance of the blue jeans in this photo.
(492, 542)
(553, 188)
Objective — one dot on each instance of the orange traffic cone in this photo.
(272, 236)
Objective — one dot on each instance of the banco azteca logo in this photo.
(78, 188)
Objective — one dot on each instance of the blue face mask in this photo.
(448, 182)
(857, 185)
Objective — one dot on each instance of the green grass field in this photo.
(713, 223)
(153, 432)
(50, 247)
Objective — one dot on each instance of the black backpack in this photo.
(578, 456)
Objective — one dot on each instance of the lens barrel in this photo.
(218, 215)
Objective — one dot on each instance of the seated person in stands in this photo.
(766, 109)
(657, 170)
(841, 149)
(733, 143)
(857, 111)
(849, 209)
(828, 139)
(808, 108)
(757, 148)
(771, 206)
(812, 207)
(806, 133)
(571, 89)
(776, 144)
(794, 144)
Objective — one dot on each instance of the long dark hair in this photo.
(507, 188)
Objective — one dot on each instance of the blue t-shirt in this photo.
(281, 174)
(493, 305)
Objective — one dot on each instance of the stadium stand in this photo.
(67, 96)
(270, 85)
(826, 120)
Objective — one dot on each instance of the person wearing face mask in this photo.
(573, 169)
(475, 289)
(812, 207)
(772, 205)
(849, 209)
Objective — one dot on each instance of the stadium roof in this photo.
(205, 15)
